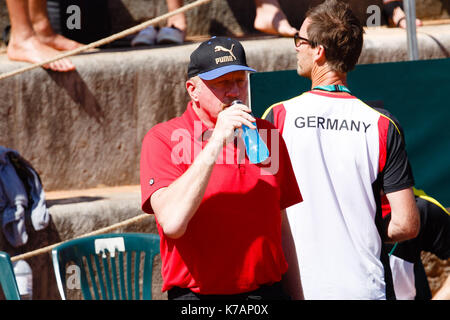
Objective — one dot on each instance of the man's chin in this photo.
(302, 73)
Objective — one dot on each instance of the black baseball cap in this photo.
(216, 57)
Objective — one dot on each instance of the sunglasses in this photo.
(298, 40)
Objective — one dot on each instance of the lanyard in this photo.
(393, 249)
(333, 88)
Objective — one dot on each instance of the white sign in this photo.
(110, 244)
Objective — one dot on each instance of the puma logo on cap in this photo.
(222, 59)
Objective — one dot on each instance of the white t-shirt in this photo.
(403, 275)
(338, 147)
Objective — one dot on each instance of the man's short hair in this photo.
(338, 30)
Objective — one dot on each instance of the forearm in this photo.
(399, 232)
(175, 205)
(405, 219)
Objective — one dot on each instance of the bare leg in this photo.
(271, 19)
(179, 20)
(43, 29)
(24, 45)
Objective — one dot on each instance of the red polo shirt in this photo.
(233, 242)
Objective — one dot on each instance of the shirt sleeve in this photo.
(276, 115)
(157, 168)
(281, 162)
(397, 173)
(290, 191)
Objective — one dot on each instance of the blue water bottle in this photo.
(254, 146)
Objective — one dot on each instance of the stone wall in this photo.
(233, 17)
(84, 129)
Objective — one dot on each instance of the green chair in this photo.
(8, 278)
(104, 262)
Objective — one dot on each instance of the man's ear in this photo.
(319, 55)
(192, 89)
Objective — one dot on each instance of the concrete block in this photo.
(390, 44)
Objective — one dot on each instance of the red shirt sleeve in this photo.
(282, 167)
(290, 191)
(157, 169)
(276, 115)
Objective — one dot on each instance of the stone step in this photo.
(74, 214)
(84, 129)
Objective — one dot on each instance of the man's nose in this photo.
(233, 90)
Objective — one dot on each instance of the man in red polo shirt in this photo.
(220, 217)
